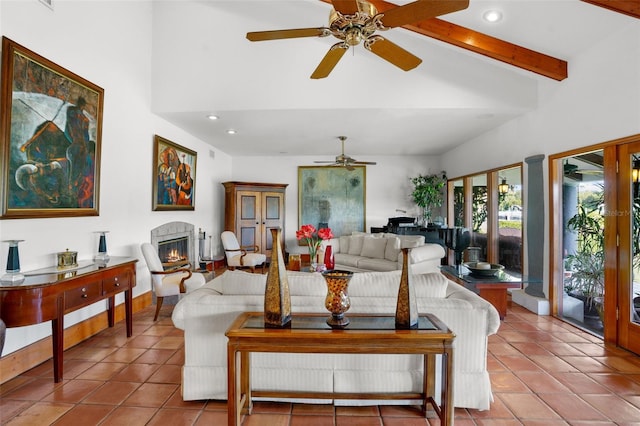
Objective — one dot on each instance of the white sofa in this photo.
(206, 313)
(382, 252)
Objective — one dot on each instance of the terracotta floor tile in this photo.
(536, 378)
(40, 413)
(586, 364)
(33, 390)
(112, 393)
(124, 355)
(313, 420)
(167, 374)
(553, 364)
(580, 383)
(173, 416)
(618, 383)
(136, 373)
(151, 395)
(506, 382)
(12, 407)
(541, 382)
(518, 363)
(175, 401)
(83, 414)
(131, 416)
(528, 406)
(73, 391)
(614, 407)
(156, 356)
(210, 418)
(572, 407)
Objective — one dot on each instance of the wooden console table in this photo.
(48, 294)
(366, 334)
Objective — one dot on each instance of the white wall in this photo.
(599, 102)
(109, 44)
(388, 185)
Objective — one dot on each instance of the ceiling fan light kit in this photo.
(356, 21)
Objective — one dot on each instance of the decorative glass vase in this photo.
(329, 261)
(277, 299)
(337, 301)
(407, 305)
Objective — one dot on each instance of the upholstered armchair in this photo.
(168, 283)
(239, 256)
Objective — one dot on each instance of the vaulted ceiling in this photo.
(475, 75)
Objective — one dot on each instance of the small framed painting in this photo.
(174, 176)
(51, 121)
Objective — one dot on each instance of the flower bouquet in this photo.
(314, 239)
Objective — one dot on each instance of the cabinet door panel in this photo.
(248, 237)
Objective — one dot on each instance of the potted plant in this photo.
(586, 264)
(428, 192)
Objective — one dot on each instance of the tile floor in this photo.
(544, 372)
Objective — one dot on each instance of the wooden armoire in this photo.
(252, 209)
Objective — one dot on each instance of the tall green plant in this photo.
(428, 192)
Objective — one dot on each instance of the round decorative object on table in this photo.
(483, 269)
(337, 301)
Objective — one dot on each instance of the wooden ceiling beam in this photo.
(483, 44)
(628, 7)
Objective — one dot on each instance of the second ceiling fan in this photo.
(344, 160)
(356, 21)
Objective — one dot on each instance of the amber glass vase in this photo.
(337, 301)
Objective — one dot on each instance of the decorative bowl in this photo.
(483, 269)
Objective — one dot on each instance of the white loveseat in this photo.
(206, 313)
(382, 252)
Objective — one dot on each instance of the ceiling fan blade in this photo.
(292, 33)
(346, 7)
(391, 52)
(324, 162)
(421, 10)
(372, 163)
(330, 60)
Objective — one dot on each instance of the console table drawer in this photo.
(116, 283)
(84, 295)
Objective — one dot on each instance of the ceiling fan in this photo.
(344, 160)
(355, 21)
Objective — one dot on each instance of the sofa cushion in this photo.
(346, 259)
(245, 283)
(377, 264)
(344, 244)
(355, 244)
(411, 241)
(386, 284)
(373, 247)
(392, 249)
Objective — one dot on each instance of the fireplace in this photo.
(175, 243)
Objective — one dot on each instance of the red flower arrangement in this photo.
(313, 238)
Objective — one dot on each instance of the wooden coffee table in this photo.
(366, 334)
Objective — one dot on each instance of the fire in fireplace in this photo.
(174, 251)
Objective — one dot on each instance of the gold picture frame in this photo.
(174, 176)
(51, 121)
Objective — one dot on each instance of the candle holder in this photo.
(13, 274)
(102, 257)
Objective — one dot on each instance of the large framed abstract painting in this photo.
(174, 176)
(334, 197)
(51, 121)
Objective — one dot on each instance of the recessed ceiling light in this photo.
(492, 15)
(231, 132)
(212, 117)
